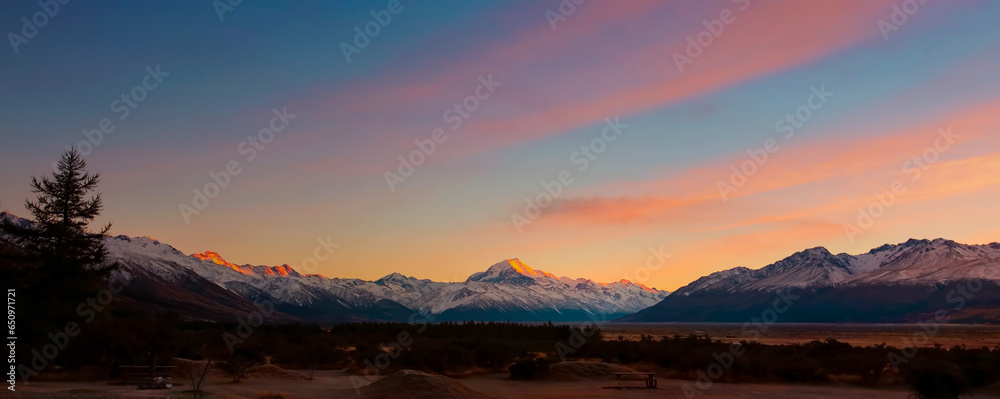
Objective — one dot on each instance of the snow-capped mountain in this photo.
(509, 290)
(810, 268)
(157, 277)
(160, 277)
(891, 283)
(912, 262)
(930, 262)
(309, 297)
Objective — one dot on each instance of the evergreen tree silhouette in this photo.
(58, 261)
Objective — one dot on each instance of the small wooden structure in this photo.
(649, 378)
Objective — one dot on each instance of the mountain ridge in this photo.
(890, 283)
(514, 291)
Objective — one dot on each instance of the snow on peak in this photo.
(629, 282)
(526, 270)
(818, 251)
(400, 279)
(283, 270)
(217, 259)
(514, 271)
(214, 257)
(394, 277)
(14, 219)
(912, 262)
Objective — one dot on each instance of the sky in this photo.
(655, 141)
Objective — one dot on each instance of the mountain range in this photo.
(507, 290)
(909, 282)
(913, 281)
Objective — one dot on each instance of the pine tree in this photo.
(59, 236)
(56, 262)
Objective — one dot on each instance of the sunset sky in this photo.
(892, 88)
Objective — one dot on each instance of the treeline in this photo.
(447, 347)
(932, 372)
(123, 337)
(126, 337)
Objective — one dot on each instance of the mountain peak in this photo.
(214, 257)
(512, 271)
(394, 278)
(629, 282)
(283, 270)
(15, 219)
(526, 270)
(821, 251)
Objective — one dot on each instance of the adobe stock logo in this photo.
(249, 148)
(363, 37)
(915, 168)
(30, 27)
(455, 116)
(758, 157)
(553, 189)
(221, 8)
(566, 8)
(899, 17)
(714, 28)
(124, 105)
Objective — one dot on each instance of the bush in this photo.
(239, 363)
(529, 369)
(937, 379)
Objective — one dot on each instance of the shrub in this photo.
(529, 369)
(239, 363)
(937, 379)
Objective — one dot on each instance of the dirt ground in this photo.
(336, 384)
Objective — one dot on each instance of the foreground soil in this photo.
(336, 384)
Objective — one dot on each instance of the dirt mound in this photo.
(407, 384)
(577, 371)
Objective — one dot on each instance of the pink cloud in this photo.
(627, 72)
(812, 171)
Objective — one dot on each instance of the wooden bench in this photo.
(649, 378)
